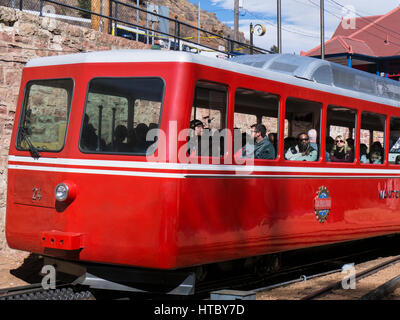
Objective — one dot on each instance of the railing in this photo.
(117, 20)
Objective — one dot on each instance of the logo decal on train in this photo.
(322, 204)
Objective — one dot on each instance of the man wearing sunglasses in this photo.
(303, 151)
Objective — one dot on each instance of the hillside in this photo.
(188, 12)
(183, 9)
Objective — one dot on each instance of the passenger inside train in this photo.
(120, 135)
(341, 151)
(364, 153)
(195, 136)
(262, 148)
(312, 134)
(303, 151)
(376, 157)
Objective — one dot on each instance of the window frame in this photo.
(385, 137)
(226, 120)
(389, 136)
(279, 108)
(22, 112)
(141, 154)
(356, 134)
(321, 120)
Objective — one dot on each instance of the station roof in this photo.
(374, 36)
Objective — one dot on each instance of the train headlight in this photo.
(62, 192)
(65, 191)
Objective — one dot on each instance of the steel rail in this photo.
(358, 277)
(27, 288)
(383, 290)
(250, 281)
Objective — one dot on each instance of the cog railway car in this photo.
(100, 180)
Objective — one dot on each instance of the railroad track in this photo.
(375, 294)
(309, 269)
(287, 276)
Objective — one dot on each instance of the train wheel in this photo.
(267, 265)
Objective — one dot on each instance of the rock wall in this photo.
(24, 36)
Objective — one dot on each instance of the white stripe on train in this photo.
(239, 170)
(182, 176)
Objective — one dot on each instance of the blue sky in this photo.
(300, 18)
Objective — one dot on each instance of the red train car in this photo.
(102, 176)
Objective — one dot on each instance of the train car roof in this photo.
(297, 70)
(325, 73)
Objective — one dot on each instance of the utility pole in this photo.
(198, 26)
(279, 25)
(137, 19)
(236, 24)
(322, 13)
(251, 38)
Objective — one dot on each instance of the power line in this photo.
(366, 19)
(262, 18)
(372, 34)
(333, 2)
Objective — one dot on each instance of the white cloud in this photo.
(300, 19)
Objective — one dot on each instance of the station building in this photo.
(370, 44)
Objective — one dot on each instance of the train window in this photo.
(256, 124)
(122, 115)
(372, 138)
(340, 134)
(208, 120)
(45, 115)
(303, 129)
(394, 148)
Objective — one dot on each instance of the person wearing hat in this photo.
(197, 126)
(194, 144)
